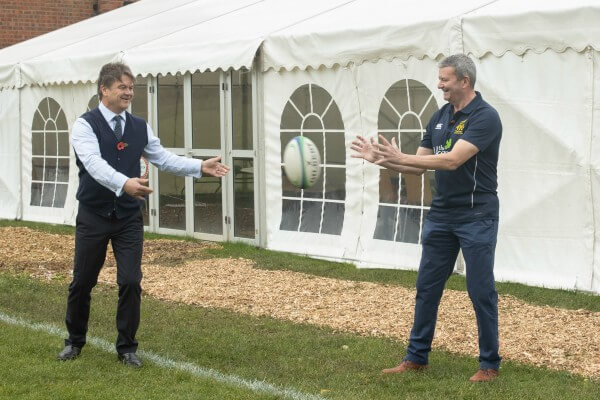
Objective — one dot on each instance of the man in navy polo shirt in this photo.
(108, 143)
(461, 144)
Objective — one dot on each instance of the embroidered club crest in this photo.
(460, 127)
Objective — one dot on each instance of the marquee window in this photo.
(49, 155)
(312, 112)
(404, 199)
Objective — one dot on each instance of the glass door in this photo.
(203, 115)
(241, 157)
(207, 141)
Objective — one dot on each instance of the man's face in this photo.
(453, 89)
(118, 96)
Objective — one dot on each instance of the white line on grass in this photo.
(165, 362)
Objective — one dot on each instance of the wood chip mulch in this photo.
(176, 271)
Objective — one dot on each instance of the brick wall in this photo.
(108, 5)
(24, 19)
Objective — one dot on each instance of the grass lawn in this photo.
(308, 359)
(30, 371)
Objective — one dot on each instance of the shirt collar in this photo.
(473, 104)
(109, 115)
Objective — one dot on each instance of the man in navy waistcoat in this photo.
(461, 143)
(108, 143)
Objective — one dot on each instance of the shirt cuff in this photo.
(120, 180)
(199, 173)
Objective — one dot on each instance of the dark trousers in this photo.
(441, 243)
(91, 240)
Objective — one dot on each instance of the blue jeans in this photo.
(441, 243)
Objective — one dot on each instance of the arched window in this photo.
(49, 155)
(313, 113)
(404, 199)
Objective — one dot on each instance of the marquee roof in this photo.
(156, 36)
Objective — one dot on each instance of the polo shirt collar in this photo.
(109, 115)
(471, 106)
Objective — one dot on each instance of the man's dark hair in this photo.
(112, 72)
(463, 66)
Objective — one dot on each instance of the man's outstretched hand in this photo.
(137, 187)
(364, 148)
(213, 167)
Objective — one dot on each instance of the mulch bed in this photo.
(176, 271)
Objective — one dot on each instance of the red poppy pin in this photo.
(121, 145)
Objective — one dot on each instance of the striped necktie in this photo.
(118, 128)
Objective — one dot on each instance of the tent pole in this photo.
(590, 55)
(21, 205)
(260, 193)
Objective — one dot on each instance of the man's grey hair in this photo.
(463, 66)
(112, 72)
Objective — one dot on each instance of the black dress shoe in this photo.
(69, 353)
(130, 359)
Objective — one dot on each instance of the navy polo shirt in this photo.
(469, 192)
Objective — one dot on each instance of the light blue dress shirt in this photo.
(85, 144)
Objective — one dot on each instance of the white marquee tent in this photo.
(240, 78)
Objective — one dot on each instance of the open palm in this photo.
(364, 149)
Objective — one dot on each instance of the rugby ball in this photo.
(302, 162)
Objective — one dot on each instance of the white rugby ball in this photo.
(302, 162)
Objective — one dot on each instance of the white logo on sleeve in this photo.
(438, 126)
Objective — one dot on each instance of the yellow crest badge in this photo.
(460, 127)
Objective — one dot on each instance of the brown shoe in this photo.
(484, 375)
(405, 366)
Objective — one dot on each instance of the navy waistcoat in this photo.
(93, 195)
